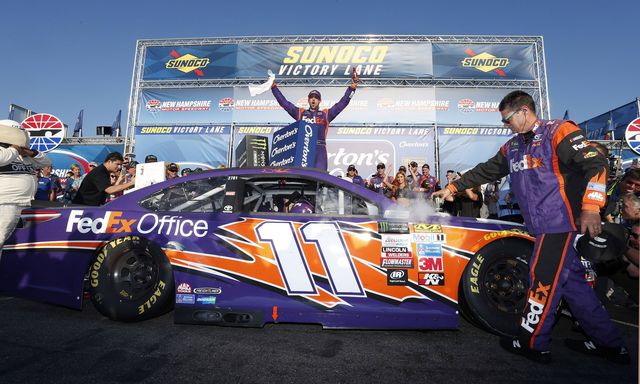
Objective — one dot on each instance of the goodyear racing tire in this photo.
(130, 279)
(494, 285)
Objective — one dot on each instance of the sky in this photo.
(64, 56)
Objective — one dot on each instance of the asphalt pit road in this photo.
(331, 348)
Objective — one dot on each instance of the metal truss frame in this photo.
(539, 87)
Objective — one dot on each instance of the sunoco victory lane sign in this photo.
(295, 145)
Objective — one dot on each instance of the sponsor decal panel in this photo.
(391, 227)
(183, 288)
(114, 222)
(397, 277)
(427, 228)
(182, 298)
(397, 263)
(431, 279)
(396, 241)
(485, 62)
(206, 299)
(429, 249)
(429, 237)
(430, 264)
(207, 290)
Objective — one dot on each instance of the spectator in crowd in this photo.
(379, 182)
(172, 171)
(428, 183)
(560, 196)
(508, 207)
(92, 165)
(73, 184)
(631, 207)
(632, 255)
(414, 176)
(18, 185)
(97, 185)
(400, 189)
(46, 186)
(470, 202)
(185, 171)
(629, 183)
(131, 171)
(317, 116)
(150, 159)
(352, 175)
(115, 179)
(491, 196)
(450, 205)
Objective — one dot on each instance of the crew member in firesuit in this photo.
(317, 116)
(18, 183)
(560, 182)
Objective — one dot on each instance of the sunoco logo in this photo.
(187, 63)
(485, 62)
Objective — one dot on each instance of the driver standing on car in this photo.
(317, 116)
(560, 181)
(17, 175)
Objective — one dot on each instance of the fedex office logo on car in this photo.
(112, 222)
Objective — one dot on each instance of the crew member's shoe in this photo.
(520, 348)
(618, 355)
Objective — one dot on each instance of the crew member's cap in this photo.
(402, 169)
(315, 93)
(413, 164)
(93, 164)
(132, 164)
(173, 167)
(351, 168)
(150, 159)
(425, 165)
(381, 166)
(609, 245)
(12, 132)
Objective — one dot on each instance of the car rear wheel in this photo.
(130, 279)
(494, 285)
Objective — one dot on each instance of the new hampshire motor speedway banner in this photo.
(364, 147)
(369, 105)
(192, 146)
(82, 154)
(474, 61)
(462, 148)
(252, 61)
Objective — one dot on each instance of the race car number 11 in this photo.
(293, 266)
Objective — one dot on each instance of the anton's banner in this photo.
(474, 61)
(64, 155)
(214, 61)
(294, 145)
(317, 60)
(193, 146)
(462, 148)
(308, 60)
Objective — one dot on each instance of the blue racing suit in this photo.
(321, 117)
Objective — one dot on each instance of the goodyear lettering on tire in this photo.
(475, 270)
(153, 299)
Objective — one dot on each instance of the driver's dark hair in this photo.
(516, 100)
(114, 156)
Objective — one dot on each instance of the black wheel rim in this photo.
(134, 274)
(506, 283)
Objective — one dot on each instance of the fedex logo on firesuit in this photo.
(537, 301)
(111, 222)
(527, 162)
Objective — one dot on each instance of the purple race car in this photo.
(249, 246)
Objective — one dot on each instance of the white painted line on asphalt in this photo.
(6, 298)
(625, 323)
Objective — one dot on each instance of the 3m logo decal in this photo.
(485, 62)
(187, 63)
